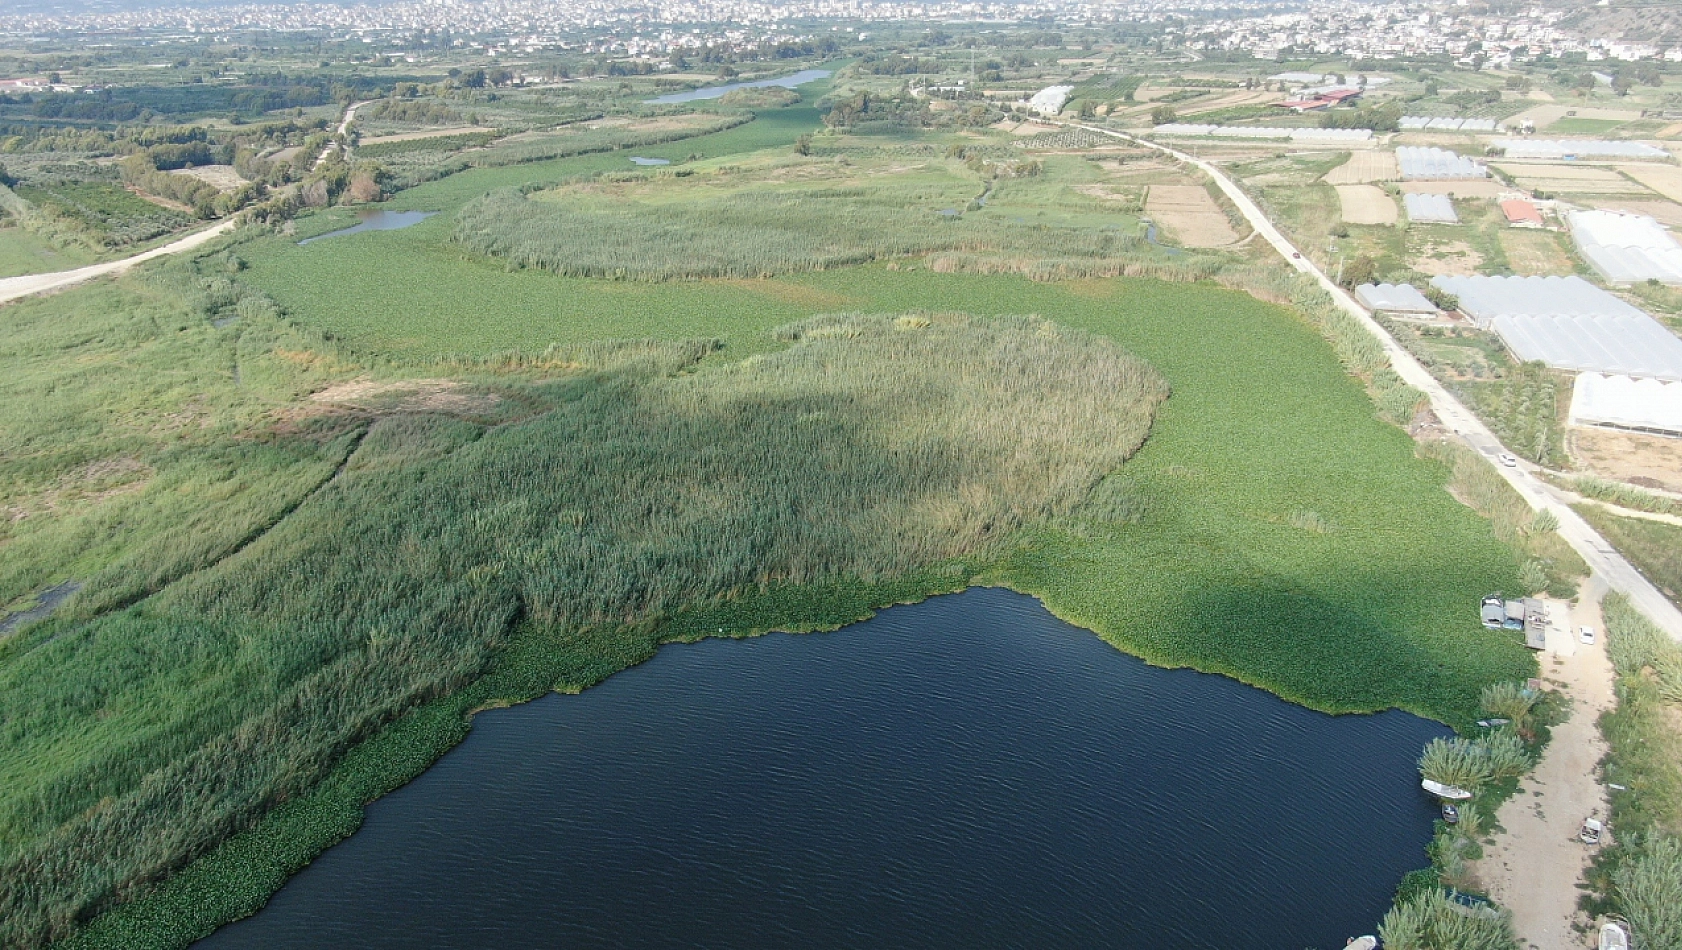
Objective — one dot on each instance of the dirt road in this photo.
(12, 288)
(1535, 864)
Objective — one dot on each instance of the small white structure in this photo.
(1436, 164)
(1394, 298)
(1556, 149)
(1626, 248)
(1624, 402)
(1430, 209)
(1050, 100)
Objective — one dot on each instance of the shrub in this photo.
(1505, 755)
(1458, 762)
(1433, 921)
(1649, 889)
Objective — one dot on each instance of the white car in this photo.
(1508, 460)
(1585, 634)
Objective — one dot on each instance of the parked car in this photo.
(1585, 634)
(1511, 461)
(1591, 831)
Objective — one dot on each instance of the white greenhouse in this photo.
(1436, 164)
(1622, 402)
(1430, 209)
(1568, 323)
(1394, 298)
(1555, 149)
(1626, 248)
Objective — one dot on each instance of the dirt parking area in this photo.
(1366, 204)
(1364, 168)
(1650, 460)
(1189, 215)
(1536, 862)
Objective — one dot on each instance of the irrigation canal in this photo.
(969, 771)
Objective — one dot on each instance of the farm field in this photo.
(1365, 167)
(1189, 215)
(1366, 204)
(1664, 179)
(1665, 212)
(1536, 253)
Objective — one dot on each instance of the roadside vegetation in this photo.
(1655, 548)
(1640, 877)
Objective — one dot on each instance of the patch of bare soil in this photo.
(1190, 215)
(220, 177)
(410, 395)
(1455, 258)
(1650, 460)
(422, 134)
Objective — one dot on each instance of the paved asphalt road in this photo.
(1617, 573)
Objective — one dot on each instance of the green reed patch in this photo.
(871, 448)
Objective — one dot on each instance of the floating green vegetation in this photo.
(660, 227)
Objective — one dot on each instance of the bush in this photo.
(1648, 885)
(1458, 762)
(1433, 921)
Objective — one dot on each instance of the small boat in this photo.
(1614, 937)
(1451, 815)
(1492, 723)
(1448, 792)
(1368, 942)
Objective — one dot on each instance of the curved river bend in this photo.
(965, 772)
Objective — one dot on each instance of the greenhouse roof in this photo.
(1623, 402)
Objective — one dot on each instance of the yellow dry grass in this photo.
(1189, 215)
(1366, 204)
(1364, 168)
(1664, 179)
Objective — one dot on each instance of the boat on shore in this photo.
(1446, 792)
(1613, 936)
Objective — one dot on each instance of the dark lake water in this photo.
(713, 92)
(375, 220)
(966, 772)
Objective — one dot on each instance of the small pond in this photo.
(965, 772)
(375, 220)
(639, 160)
(713, 92)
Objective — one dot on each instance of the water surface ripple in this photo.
(966, 772)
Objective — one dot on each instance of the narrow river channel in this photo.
(965, 772)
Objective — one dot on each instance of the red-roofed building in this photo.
(1323, 99)
(1521, 214)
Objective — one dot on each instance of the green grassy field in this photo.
(24, 253)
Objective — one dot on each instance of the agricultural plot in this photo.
(1572, 180)
(1665, 212)
(1365, 167)
(1536, 253)
(1366, 204)
(1457, 189)
(22, 252)
(1664, 179)
(220, 177)
(1189, 215)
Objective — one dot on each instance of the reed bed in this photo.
(872, 447)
